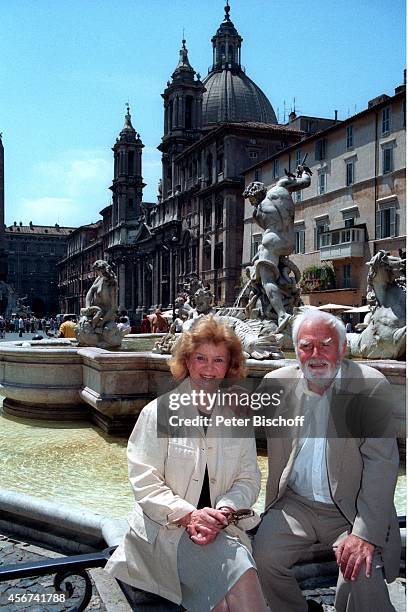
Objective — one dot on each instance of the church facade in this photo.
(214, 128)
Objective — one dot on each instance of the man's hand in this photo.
(351, 554)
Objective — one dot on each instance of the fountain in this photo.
(59, 380)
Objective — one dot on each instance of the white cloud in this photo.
(46, 210)
(73, 187)
(77, 173)
(70, 189)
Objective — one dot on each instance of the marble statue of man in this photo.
(274, 212)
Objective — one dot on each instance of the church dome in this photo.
(231, 96)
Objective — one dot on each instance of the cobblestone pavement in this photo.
(37, 589)
(107, 596)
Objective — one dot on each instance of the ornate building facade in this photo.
(356, 202)
(213, 129)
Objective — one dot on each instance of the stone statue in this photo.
(270, 279)
(22, 309)
(97, 325)
(385, 334)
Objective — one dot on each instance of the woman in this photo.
(186, 486)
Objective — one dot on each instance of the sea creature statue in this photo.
(385, 334)
(273, 277)
(97, 326)
(258, 338)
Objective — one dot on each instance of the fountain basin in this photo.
(47, 380)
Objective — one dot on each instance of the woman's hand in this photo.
(205, 524)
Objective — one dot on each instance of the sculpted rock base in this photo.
(108, 337)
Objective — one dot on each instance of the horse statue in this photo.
(385, 334)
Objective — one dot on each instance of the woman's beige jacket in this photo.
(167, 474)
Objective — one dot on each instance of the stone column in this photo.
(172, 278)
(155, 279)
(143, 292)
(122, 287)
(160, 296)
(138, 284)
(132, 287)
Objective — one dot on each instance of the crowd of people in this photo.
(28, 325)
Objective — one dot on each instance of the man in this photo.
(67, 327)
(21, 327)
(328, 487)
(159, 323)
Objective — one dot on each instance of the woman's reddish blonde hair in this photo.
(208, 329)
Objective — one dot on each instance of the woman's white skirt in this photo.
(208, 572)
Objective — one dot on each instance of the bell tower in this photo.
(127, 185)
(183, 99)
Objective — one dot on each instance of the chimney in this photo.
(335, 115)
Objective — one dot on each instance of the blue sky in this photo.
(69, 66)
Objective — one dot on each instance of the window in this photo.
(349, 136)
(131, 163)
(207, 214)
(256, 241)
(209, 168)
(219, 210)
(218, 256)
(386, 223)
(322, 238)
(388, 159)
(298, 196)
(189, 112)
(349, 222)
(258, 174)
(275, 169)
(320, 149)
(349, 173)
(253, 155)
(309, 126)
(299, 239)
(385, 120)
(322, 183)
(347, 276)
(298, 158)
(220, 163)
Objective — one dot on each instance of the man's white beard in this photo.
(316, 376)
